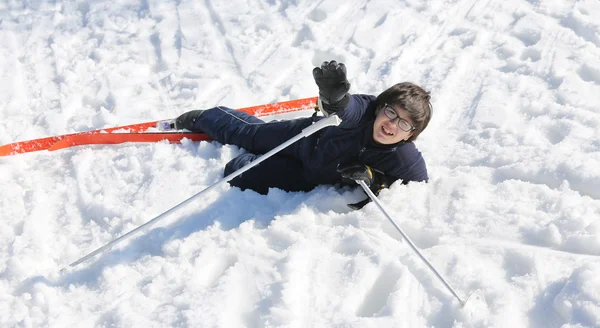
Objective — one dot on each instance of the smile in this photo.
(386, 131)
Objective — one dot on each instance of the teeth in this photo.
(386, 131)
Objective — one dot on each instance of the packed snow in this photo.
(510, 216)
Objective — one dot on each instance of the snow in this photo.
(511, 214)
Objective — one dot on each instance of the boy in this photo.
(374, 142)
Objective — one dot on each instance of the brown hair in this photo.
(411, 97)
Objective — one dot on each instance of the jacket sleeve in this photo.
(356, 109)
(409, 165)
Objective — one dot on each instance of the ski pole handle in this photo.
(332, 120)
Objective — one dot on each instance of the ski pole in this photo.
(410, 243)
(333, 120)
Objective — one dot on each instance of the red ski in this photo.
(137, 132)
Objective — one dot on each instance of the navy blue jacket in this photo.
(312, 160)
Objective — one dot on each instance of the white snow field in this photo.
(511, 211)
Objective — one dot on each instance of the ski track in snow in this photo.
(512, 209)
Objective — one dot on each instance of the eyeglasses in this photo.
(403, 124)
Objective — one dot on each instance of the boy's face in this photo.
(385, 130)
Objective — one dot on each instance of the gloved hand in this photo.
(333, 86)
(357, 171)
(376, 180)
(187, 120)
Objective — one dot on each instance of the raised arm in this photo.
(334, 97)
(333, 86)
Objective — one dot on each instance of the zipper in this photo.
(365, 148)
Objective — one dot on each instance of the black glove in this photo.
(376, 180)
(188, 120)
(333, 86)
(356, 171)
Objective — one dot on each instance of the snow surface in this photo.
(512, 211)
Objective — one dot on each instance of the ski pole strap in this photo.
(319, 108)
